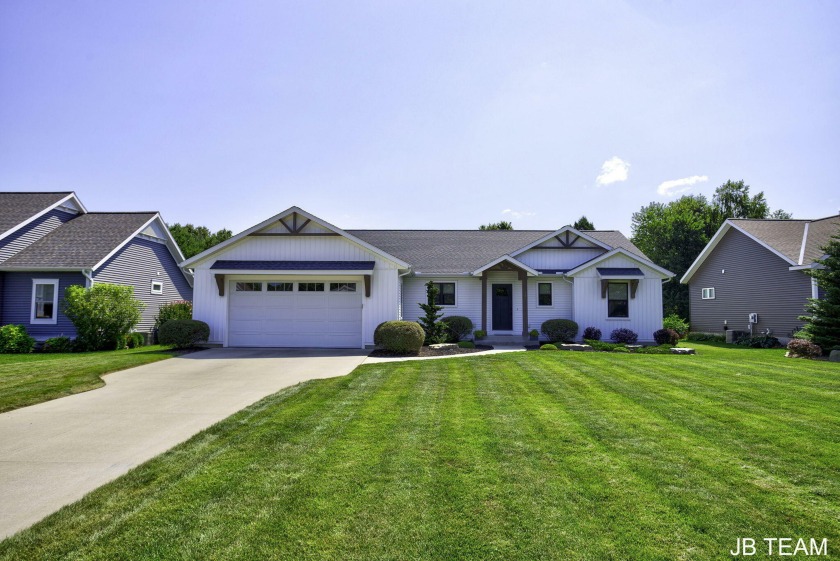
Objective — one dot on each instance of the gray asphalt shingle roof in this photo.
(15, 208)
(787, 236)
(80, 243)
(462, 251)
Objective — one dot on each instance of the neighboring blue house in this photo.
(49, 241)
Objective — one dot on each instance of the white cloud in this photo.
(613, 170)
(675, 186)
(518, 213)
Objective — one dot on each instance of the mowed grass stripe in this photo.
(699, 473)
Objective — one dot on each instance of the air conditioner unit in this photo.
(753, 318)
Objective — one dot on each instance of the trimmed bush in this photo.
(654, 350)
(15, 339)
(58, 345)
(179, 309)
(548, 347)
(134, 340)
(624, 335)
(479, 334)
(400, 336)
(466, 344)
(183, 333)
(592, 333)
(562, 330)
(700, 337)
(759, 342)
(666, 337)
(102, 314)
(676, 323)
(803, 348)
(458, 327)
(604, 346)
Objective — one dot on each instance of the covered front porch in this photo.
(504, 299)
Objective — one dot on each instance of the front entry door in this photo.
(502, 307)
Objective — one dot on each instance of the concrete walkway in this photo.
(54, 453)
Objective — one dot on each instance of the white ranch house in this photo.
(295, 280)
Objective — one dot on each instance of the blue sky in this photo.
(419, 114)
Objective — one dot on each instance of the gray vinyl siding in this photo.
(17, 299)
(32, 232)
(755, 280)
(136, 264)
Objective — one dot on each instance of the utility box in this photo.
(753, 318)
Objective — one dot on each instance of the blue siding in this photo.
(137, 264)
(32, 232)
(17, 299)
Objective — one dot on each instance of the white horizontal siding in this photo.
(558, 258)
(561, 302)
(467, 298)
(645, 308)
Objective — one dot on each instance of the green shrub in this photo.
(676, 323)
(604, 346)
(562, 330)
(58, 345)
(179, 309)
(433, 327)
(134, 340)
(700, 337)
(466, 344)
(102, 314)
(592, 333)
(183, 333)
(666, 337)
(654, 350)
(548, 347)
(759, 342)
(803, 348)
(458, 327)
(15, 339)
(402, 337)
(479, 334)
(624, 335)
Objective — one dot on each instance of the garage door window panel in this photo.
(342, 287)
(248, 287)
(279, 286)
(310, 287)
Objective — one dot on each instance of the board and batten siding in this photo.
(32, 232)
(561, 301)
(382, 305)
(17, 303)
(138, 263)
(747, 278)
(645, 309)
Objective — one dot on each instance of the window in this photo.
(544, 294)
(249, 287)
(617, 302)
(446, 293)
(157, 287)
(279, 286)
(44, 301)
(310, 287)
(708, 294)
(342, 287)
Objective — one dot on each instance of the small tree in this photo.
(824, 313)
(102, 314)
(583, 223)
(501, 225)
(435, 330)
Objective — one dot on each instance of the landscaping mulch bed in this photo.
(426, 351)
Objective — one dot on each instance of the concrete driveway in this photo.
(54, 453)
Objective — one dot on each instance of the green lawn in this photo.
(33, 378)
(538, 455)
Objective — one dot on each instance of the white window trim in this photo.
(44, 321)
(152, 287)
(551, 293)
(629, 312)
(707, 293)
(455, 305)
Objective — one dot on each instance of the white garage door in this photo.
(306, 313)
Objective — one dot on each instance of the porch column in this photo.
(523, 278)
(484, 301)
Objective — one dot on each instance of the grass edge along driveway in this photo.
(512, 456)
(27, 379)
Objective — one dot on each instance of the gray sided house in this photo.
(295, 280)
(49, 241)
(757, 267)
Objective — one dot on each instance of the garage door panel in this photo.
(294, 318)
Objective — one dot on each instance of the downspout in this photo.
(88, 274)
(572, 284)
(399, 292)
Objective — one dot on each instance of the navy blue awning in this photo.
(620, 272)
(294, 265)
